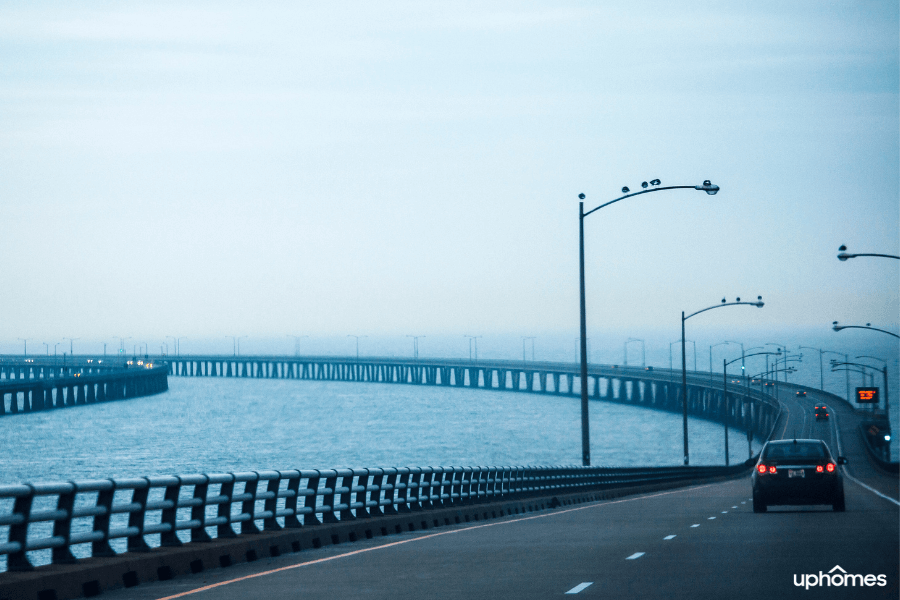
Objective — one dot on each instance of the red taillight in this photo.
(830, 467)
(772, 469)
(819, 468)
(761, 468)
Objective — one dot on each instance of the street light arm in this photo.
(759, 304)
(844, 256)
(749, 355)
(837, 327)
(656, 189)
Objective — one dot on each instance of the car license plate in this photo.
(796, 473)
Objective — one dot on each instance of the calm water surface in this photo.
(216, 425)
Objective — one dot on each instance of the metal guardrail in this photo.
(60, 516)
(877, 453)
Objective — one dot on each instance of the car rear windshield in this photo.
(798, 450)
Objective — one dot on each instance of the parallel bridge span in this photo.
(746, 408)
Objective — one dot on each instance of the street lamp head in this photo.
(581, 196)
(708, 187)
(625, 190)
(655, 182)
(759, 302)
(843, 253)
(835, 326)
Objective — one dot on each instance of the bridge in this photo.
(28, 385)
(467, 532)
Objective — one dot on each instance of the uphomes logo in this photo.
(838, 577)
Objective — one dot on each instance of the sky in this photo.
(387, 169)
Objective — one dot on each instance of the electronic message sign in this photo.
(867, 395)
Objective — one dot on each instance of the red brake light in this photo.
(772, 469)
(830, 467)
(761, 468)
(819, 468)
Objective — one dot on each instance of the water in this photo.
(218, 425)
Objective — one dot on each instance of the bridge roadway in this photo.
(698, 542)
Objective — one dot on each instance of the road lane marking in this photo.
(669, 537)
(696, 525)
(711, 518)
(580, 587)
(635, 555)
(743, 503)
(432, 535)
(724, 512)
(736, 506)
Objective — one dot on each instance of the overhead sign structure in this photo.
(867, 395)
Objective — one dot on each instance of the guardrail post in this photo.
(18, 532)
(170, 515)
(105, 497)
(346, 494)
(136, 543)
(249, 506)
(290, 502)
(312, 485)
(330, 499)
(390, 493)
(225, 530)
(424, 494)
(362, 494)
(198, 511)
(63, 527)
(270, 505)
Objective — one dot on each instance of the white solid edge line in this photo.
(669, 537)
(837, 435)
(635, 555)
(696, 525)
(580, 587)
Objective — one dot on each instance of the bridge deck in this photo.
(721, 549)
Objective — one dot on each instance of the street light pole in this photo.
(684, 398)
(692, 342)
(357, 344)
(471, 339)
(643, 351)
(707, 187)
(837, 327)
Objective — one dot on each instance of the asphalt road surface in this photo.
(698, 542)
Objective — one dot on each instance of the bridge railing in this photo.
(88, 518)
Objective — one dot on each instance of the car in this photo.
(821, 412)
(797, 472)
(801, 393)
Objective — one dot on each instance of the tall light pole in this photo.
(416, 346)
(471, 339)
(357, 344)
(821, 368)
(46, 347)
(71, 345)
(643, 351)
(710, 356)
(653, 186)
(844, 255)
(297, 339)
(25, 346)
(684, 398)
(678, 342)
(524, 339)
(178, 344)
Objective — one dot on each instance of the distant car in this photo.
(801, 393)
(797, 472)
(821, 412)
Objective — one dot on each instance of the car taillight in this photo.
(830, 467)
(819, 468)
(761, 468)
(772, 469)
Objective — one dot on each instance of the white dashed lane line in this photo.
(669, 537)
(696, 525)
(724, 512)
(580, 587)
(736, 506)
(711, 518)
(635, 555)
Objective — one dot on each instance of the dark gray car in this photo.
(797, 472)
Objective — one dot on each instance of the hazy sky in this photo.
(393, 168)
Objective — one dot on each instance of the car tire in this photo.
(758, 505)
(839, 505)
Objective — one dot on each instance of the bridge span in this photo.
(749, 408)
